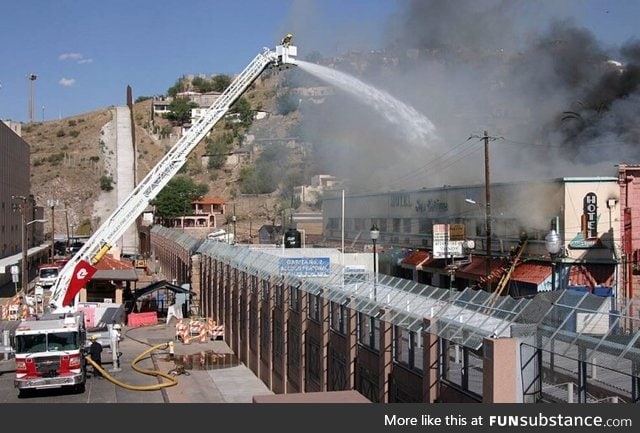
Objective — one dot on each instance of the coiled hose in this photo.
(171, 380)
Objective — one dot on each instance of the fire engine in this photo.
(49, 352)
(48, 349)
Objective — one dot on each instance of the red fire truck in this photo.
(49, 352)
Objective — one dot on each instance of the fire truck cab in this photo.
(49, 352)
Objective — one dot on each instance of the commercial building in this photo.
(426, 235)
(17, 205)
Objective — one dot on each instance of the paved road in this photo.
(213, 374)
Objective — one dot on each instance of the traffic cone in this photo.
(203, 333)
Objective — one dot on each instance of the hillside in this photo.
(70, 156)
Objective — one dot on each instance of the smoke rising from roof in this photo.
(559, 102)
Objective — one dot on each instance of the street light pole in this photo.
(553, 245)
(375, 233)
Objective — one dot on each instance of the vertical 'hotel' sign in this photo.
(590, 216)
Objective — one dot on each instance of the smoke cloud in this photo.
(555, 101)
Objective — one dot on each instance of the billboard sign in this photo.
(305, 266)
(448, 240)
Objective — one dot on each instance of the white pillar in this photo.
(115, 337)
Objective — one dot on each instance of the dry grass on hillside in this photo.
(67, 162)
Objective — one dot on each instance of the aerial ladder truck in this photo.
(48, 355)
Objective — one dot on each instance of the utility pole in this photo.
(66, 221)
(52, 204)
(32, 78)
(487, 185)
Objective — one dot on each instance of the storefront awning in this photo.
(531, 272)
(416, 260)
(477, 269)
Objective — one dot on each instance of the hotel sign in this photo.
(587, 237)
(590, 216)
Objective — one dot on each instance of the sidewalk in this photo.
(212, 373)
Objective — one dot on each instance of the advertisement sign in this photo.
(305, 266)
(443, 244)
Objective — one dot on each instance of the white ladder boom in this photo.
(117, 223)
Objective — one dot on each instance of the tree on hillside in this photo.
(179, 86)
(180, 110)
(243, 108)
(202, 85)
(175, 198)
(257, 180)
(218, 149)
(220, 82)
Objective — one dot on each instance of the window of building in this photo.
(338, 317)
(278, 339)
(279, 294)
(396, 225)
(294, 298)
(382, 225)
(407, 348)
(368, 331)
(425, 226)
(406, 225)
(254, 284)
(265, 330)
(314, 307)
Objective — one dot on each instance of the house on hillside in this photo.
(160, 105)
(206, 213)
(311, 194)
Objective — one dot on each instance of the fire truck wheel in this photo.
(24, 393)
(79, 388)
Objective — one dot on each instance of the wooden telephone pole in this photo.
(487, 187)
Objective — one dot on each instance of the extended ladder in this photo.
(117, 223)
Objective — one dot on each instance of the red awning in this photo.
(416, 260)
(477, 269)
(531, 272)
(108, 262)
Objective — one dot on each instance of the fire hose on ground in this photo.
(171, 379)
